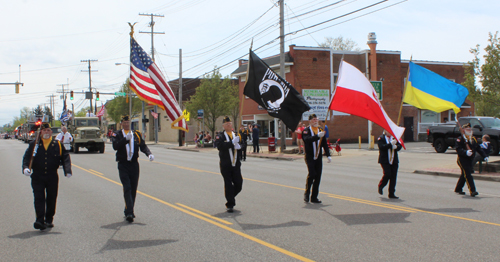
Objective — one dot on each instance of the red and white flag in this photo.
(147, 81)
(355, 95)
(101, 112)
(155, 115)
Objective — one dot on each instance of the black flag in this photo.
(274, 93)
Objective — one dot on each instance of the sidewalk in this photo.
(348, 150)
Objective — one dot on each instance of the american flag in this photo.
(64, 115)
(155, 115)
(147, 81)
(101, 112)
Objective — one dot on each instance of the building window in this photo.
(427, 116)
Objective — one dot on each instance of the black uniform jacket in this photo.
(384, 150)
(224, 146)
(120, 145)
(46, 162)
(461, 147)
(310, 139)
(244, 136)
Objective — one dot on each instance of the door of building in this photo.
(408, 136)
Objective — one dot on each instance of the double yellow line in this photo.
(204, 216)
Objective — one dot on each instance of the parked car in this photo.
(444, 136)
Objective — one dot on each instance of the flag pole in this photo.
(404, 91)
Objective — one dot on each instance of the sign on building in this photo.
(377, 85)
(319, 100)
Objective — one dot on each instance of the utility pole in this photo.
(180, 91)
(152, 24)
(51, 103)
(282, 70)
(90, 77)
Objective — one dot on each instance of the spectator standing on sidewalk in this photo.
(300, 142)
(255, 139)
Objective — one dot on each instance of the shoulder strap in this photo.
(60, 148)
(138, 135)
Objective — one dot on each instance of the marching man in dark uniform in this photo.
(48, 155)
(466, 145)
(388, 148)
(228, 143)
(127, 144)
(312, 136)
(242, 154)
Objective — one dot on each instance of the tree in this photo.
(486, 98)
(339, 43)
(118, 106)
(82, 112)
(215, 97)
(48, 112)
(25, 112)
(233, 102)
(38, 110)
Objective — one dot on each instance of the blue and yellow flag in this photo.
(428, 90)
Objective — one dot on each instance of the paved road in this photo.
(181, 215)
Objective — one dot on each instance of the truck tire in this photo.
(494, 147)
(76, 149)
(101, 149)
(440, 145)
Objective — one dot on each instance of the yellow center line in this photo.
(205, 214)
(249, 237)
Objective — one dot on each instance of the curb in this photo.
(476, 176)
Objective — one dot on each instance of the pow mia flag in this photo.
(273, 93)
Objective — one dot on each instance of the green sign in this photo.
(120, 94)
(377, 85)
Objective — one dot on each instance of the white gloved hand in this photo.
(151, 157)
(469, 152)
(27, 172)
(321, 134)
(129, 136)
(237, 146)
(236, 139)
(68, 175)
(486, 159)
(394, 141)
(394, 146)
(329, 159)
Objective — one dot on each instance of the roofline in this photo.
(427, 62)
(271, 66)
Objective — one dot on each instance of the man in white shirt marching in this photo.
(65, 137)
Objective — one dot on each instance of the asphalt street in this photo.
(181, 214)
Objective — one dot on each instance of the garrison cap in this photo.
(466, 125)
(45, 125)
(226, 119)
(311, 116)
(125, 118)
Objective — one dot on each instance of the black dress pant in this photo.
(129, 176)
(465, 176)
(242, 154)
(233, 182)
(45, 194)
(390, 175)
(315, 168)
(256, 147)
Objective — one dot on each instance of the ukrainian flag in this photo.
(428, 90)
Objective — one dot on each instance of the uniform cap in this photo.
(311, 116)
(226, 119)
(125, 118)
(45, 125)
(466, 125)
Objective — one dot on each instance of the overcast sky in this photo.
(49, 38)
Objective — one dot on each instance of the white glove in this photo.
(129, 136)
(321, 134)
(237, 146)
(236, 139)
(329, 159)
(486, 159)
(469, 152)
(394, 146)
(394, 141)
(27, 172)
(68, 175)
(151, 157)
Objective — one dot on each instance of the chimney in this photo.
(372, 43)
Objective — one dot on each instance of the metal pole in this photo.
(180, 91)
(282, 68)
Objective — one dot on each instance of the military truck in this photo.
(86, 133)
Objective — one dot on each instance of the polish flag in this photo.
(355, 95)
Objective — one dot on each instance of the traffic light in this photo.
(71, 95)
(97, 96)
(17, 87)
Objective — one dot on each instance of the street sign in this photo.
(120, 94)
(377, 85)
(200, 113)
(186, 114)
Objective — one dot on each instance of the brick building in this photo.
(313, 72)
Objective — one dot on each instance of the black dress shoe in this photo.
(473, 194)
(49, 225)
(39, 225)
(380, 191)
(316, 201)
(460, 192)
(130, 218)
(229, 210)
(393, 197)
(306, 198)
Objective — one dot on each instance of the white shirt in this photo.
(89, 114)
(65, 138)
